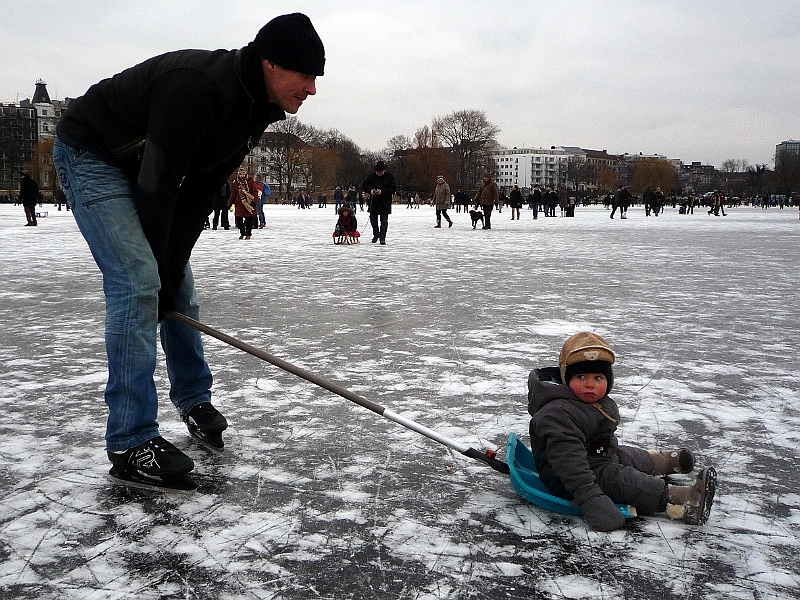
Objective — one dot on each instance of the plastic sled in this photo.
(525, 481)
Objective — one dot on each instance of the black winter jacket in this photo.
(178, 125)
(382, 204)
(28, 191)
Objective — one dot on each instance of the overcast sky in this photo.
(700, 81)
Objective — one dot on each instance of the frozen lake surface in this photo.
(315, 497)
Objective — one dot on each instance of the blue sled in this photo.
(525, 481)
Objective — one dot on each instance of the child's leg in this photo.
(639, 459)
(628, 485)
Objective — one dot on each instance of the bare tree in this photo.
(758, 178)
(289, 151)
(735, 165)
(398, 143)
(350, 168)
(471, 136)
(578, 171)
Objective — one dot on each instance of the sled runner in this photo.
(525, 481)
(346, 237)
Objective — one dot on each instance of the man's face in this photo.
(288, 89)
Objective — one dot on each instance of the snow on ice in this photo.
(315, 497)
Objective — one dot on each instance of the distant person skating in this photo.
(515, 201)
(441, 196)
(244, 199)
(29, 196)
(534, 200)
(621, 200)
(486, 197)
(221, 206)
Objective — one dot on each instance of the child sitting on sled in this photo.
(577, 454)
(346, 231)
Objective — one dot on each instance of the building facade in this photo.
(786, 149)
(17, 139)
(527, 167)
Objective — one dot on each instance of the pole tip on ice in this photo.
(489, 457)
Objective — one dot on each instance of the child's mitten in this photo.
(601, 513)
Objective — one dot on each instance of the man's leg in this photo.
(102, 200)
(373, 219)
(384, 227)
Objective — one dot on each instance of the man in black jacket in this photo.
(29, 196)
(380, 186)
(141, 157)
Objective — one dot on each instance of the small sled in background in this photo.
(346, 237)
(346, 230)
(526, 482)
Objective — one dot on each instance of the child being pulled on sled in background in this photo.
(572, 429)
(346, 226)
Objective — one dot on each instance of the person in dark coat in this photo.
(462, 201)
(658, 202)
(622, 198)
(578, 456)
(515, 201)
(220, 206)
(486, 197)
(380, 186)
(29, 196)
(534, 200)
(141, 157)
(552, 202)
(647, 199)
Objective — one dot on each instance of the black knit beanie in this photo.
(590, 366)
(290, 41)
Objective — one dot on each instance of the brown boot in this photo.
(692, 504)
(668, 462)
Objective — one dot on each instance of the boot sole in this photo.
(183, 484)
(212, 441)
(699, 514)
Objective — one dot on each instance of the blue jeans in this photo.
(262, 220)
(102, 199)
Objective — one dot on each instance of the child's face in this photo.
(589, 387)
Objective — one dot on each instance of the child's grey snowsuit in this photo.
(577, 453)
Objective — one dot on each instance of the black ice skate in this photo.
(206, 424)
(153, 464)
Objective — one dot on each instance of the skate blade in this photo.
(182, 484)
(708, 495)
(210, 441)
